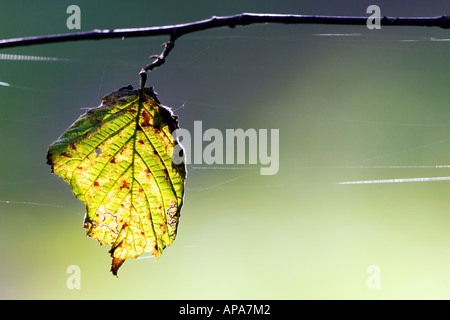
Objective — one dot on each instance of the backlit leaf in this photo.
(117, 159)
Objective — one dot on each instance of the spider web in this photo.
(347, 148)
(189, 101)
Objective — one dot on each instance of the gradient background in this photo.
(343, 105)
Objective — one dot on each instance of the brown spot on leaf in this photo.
(141, 141)
(146, 118)
(96, 184)
(125, 185)
(87, 225)
(113, 160)
(66, 155)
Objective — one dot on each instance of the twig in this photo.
(176, 31)
(159, 60)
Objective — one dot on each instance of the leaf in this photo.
(117, 158)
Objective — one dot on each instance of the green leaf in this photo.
(117, 159)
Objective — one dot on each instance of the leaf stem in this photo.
(159, 60)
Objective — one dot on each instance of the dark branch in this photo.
(176, 31)
(243, 19)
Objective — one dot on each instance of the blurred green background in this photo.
(347, 107)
